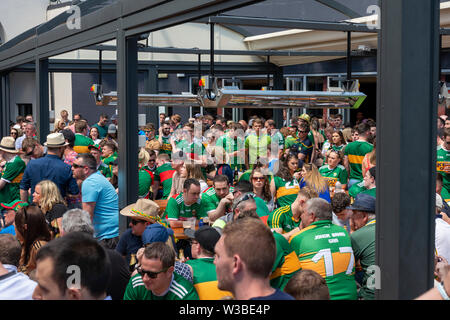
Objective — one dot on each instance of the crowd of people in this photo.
(280, 213)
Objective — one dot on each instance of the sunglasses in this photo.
(258, 178)
(135, 222)
(150, 274)
(76, 166)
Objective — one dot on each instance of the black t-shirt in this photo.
(129, 244)
(57, 211)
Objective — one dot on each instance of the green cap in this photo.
(96, 146)
(15, 205)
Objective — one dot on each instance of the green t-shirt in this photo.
(12, 174)
(278, 138)
(363, 244)
(355, 152)
(257, 147)
(145, 182)
(283, 218)
(286, 191)
(327, 249)
(106, 170)
(371, 192)
(289, 142)
(108, 160)
(334, 175)
(179, 289)
(286, 263)
(356, 188)
(210, 200)
(82, 143)
(176, 208)
(166, 147)
(205, 279)
(443, 166)
(232, 145)
(164, 174)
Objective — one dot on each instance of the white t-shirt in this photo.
(442, 239)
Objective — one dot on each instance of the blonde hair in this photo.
(313, 178)
(194, 171)
(49, 195)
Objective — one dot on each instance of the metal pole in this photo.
(349, 55)
(42, 99)
(127, 92)
(405, 212)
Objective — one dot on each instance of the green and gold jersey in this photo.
(286, 191)
(176, 208)
(327, 249)
(179, 289)
(286, 263)
(443, 167)
(205, 279)
(334, 175)
(165, 147)
(355, 152)
(282, 218)
(82, 143)
(108, 160)
(164, 174)
(12, 174)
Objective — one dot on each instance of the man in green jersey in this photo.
(164, 139)
(363, 240)
(443, 165)
(106, 170)
(218, 198)
(276, 137)
(186, 204)
(109, 153)
(202, 265)
(156, 279)
(12, 171)
(326, 248)
(354, 154)
(286, 220)
(256, 144)
(163, 175)
(333, 171)
(82, 142)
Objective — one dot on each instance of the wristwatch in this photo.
(442, 291)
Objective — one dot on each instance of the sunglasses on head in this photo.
(150, 274)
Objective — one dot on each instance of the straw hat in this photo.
(8, 145)
(143, 209)
(55, 140)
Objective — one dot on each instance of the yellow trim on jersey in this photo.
(355, 159)
(340, 263)
(301, 231)
(18, 179)
(209, 291)
(283, 191)
(290, 265)
(277, 214)
(81, 149)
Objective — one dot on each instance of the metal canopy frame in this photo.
(406, 155)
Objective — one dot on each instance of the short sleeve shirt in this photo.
(179, 289)
(327, 249)
(176, 208)
(355, 152)
(339, 173)
(282, 218)
(257, 147)
(96, 188)
(12, 174)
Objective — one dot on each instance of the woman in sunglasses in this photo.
(14, 133)
(32, 232)
(47, 196)
(261, 187)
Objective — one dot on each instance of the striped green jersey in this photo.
(355, 152)
(327, 249)
(339, 173)
(283, 218)
(286, 263)
(205, 279)
(179, 289)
